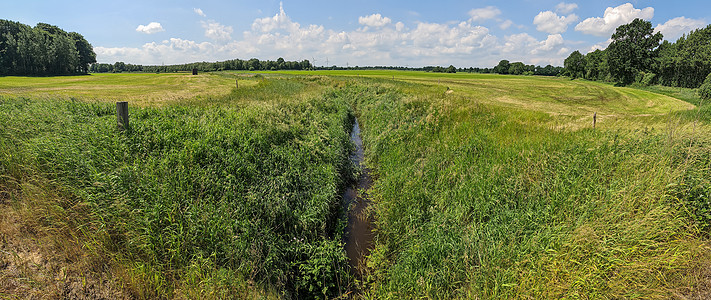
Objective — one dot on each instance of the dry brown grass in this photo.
(42, 262)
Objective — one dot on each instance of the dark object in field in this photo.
(594, 119)
(237, 83)
(194, 71)
(122, 115)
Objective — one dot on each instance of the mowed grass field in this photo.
(485, 186)
(141, 89)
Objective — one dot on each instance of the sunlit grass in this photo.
(141, 89)
(486, 186)
(477, 199)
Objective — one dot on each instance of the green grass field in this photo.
(485, 186)
(140, 89)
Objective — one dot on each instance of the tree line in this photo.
(42, 50)
(506, 67)
(638, 55)
(234, 64)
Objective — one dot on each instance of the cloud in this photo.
(598, 46)
(170, 51)
(506, 24)
(483, 14)
(199, 12)
(613, 18)
(565, 8)
(675, 28)
(385, 42)
(550, 22)
(217, 31)
(552, 42)
(374, 20)
(279, 21)
(151, 28)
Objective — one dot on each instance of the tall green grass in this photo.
(475, 195)
(475, 201)
(247, 189)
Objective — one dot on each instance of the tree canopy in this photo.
(43, 50)
(632, 50)
(234, 64)
(575, 65)
(636, 55)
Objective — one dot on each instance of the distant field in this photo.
(146, 89)
(485, 186)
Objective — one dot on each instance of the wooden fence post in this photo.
(122, 115)
(237, 83)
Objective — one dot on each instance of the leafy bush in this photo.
(648, 79)
(705, 89)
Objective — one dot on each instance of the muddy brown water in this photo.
(359, 231)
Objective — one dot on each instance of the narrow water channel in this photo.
(359, 232)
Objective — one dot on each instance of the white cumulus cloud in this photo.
(613, 18)
(550, 22)
(151, 28)
(675, 28)
(381, 41)
(483, 14)
(199, 12)
(217, 31)
(565, 8)
(506, 24)
(374, 20)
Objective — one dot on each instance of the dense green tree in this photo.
(705, 89)
(632, 50)
(43, 50)
(86, 52)
(687, 62)
(596, 67)
(502, 67)
(517, 68)
(575, 65)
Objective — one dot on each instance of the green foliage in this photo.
(503, 67)
(321, 261)
(42, 50)
(596, 67)
(705, 89)
(575, 65)
(645, 79)
(451, 69)
(632, 50)
(471, 205)
(695, 191)
(228, 65)
(254, 187)
(686, 62)
(473, 197)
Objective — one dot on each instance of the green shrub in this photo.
(645, 79)
(705, 89)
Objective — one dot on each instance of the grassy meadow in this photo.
(485, 186)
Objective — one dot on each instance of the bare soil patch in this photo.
(35, 264)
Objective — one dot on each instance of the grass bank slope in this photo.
(479, 198)
(238, 196)
(486, 186)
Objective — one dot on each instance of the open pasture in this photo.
(485, 186)
(140, 89)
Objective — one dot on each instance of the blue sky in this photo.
(364, 32)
